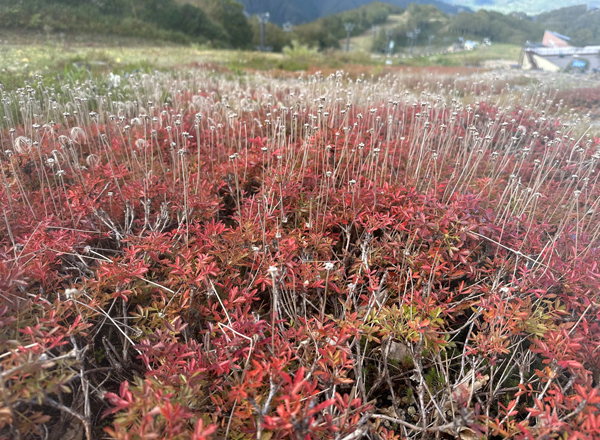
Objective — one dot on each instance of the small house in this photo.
(470, 45)
(554, 39)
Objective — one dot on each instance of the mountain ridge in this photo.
(295, 12)
(530, 7)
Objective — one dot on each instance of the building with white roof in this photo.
(555, 54)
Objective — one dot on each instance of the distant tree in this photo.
(326, 32)
(275, 37)
(192, 20)
(498, 27)
(576, 22)
(317, 34)
(236, 24)
(230, 15)
(583, 37)
(156, 19)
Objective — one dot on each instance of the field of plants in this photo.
(200, 255)
(24, 57)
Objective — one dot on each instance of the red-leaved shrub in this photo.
(194, 257)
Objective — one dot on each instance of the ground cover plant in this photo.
(197, 255)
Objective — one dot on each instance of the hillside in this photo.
(530, 7)
(305, 11)
(223, 24)
(220, 23)
(444, 29)
(496, 26)
(582, 26)
(327, 31)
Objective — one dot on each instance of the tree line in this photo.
(223, 23)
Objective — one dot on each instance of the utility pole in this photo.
(388, 37)
(431, 37)
(263, 19)
(413, 35)
(349, 28)
(417, 31)
(133, 7)
(375, 30)
(409, 36)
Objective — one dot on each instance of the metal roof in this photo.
(562, 37)
(562, 51)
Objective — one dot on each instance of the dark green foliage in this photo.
(275, 37)
(576, 22)
(193, 21)
(317, 35)
(496, 26)
(36, 15)
(427, 18)
(151, 19)
(363, 18)
(230, 15)
(482, 24)
(327, 31)
(222, 23)
(306, 11)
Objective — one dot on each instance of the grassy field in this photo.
(506, 53)
(364, 42)
(21, 60)
(24, 56)
(477, 57)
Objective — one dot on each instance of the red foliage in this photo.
(298, 260)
